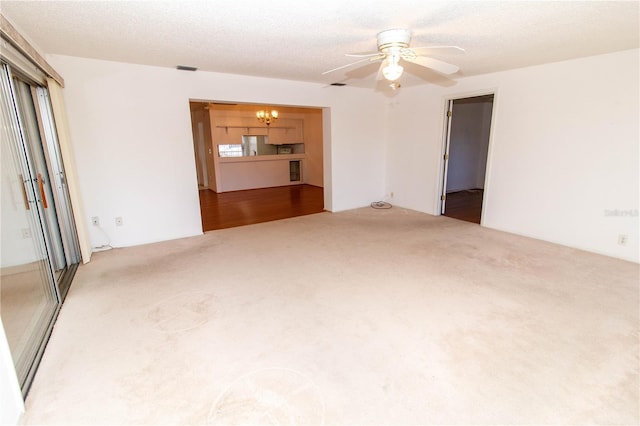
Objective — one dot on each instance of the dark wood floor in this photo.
(464, 205)
(237, 208)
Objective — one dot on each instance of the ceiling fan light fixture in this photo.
(392, 72)
(394, 38)
(393, 46)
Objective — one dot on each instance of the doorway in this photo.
(465, 157)
(251, 172)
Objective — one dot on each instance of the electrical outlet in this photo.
(391, 195)
(26, 233)
(623, 239)
(95, 221)
(119, 221)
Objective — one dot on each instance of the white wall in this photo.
(131, 130)
(563, 153)
(357, 157)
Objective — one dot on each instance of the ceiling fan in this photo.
(393, 45)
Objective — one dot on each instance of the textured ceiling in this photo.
(298, 40)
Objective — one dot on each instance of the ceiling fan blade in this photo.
(453, 49)
(434, 64)
(362, 54)
(384, 63)
(347, 66)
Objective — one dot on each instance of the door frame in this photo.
(202, 152)
(446, 128)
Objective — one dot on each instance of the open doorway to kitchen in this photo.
(465, 157)
(250, 171)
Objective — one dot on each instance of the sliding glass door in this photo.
(38, 250)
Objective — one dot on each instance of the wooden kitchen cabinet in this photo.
(286, 131)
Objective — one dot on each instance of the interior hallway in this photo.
(465, 205)
(238, 208)
(358, 317)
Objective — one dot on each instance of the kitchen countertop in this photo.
(252, 158)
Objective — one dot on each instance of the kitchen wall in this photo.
(563, 153)
(131, 130)
(304, 125)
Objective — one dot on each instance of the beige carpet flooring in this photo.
(359, 317)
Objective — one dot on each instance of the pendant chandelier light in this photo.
(267, 117)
